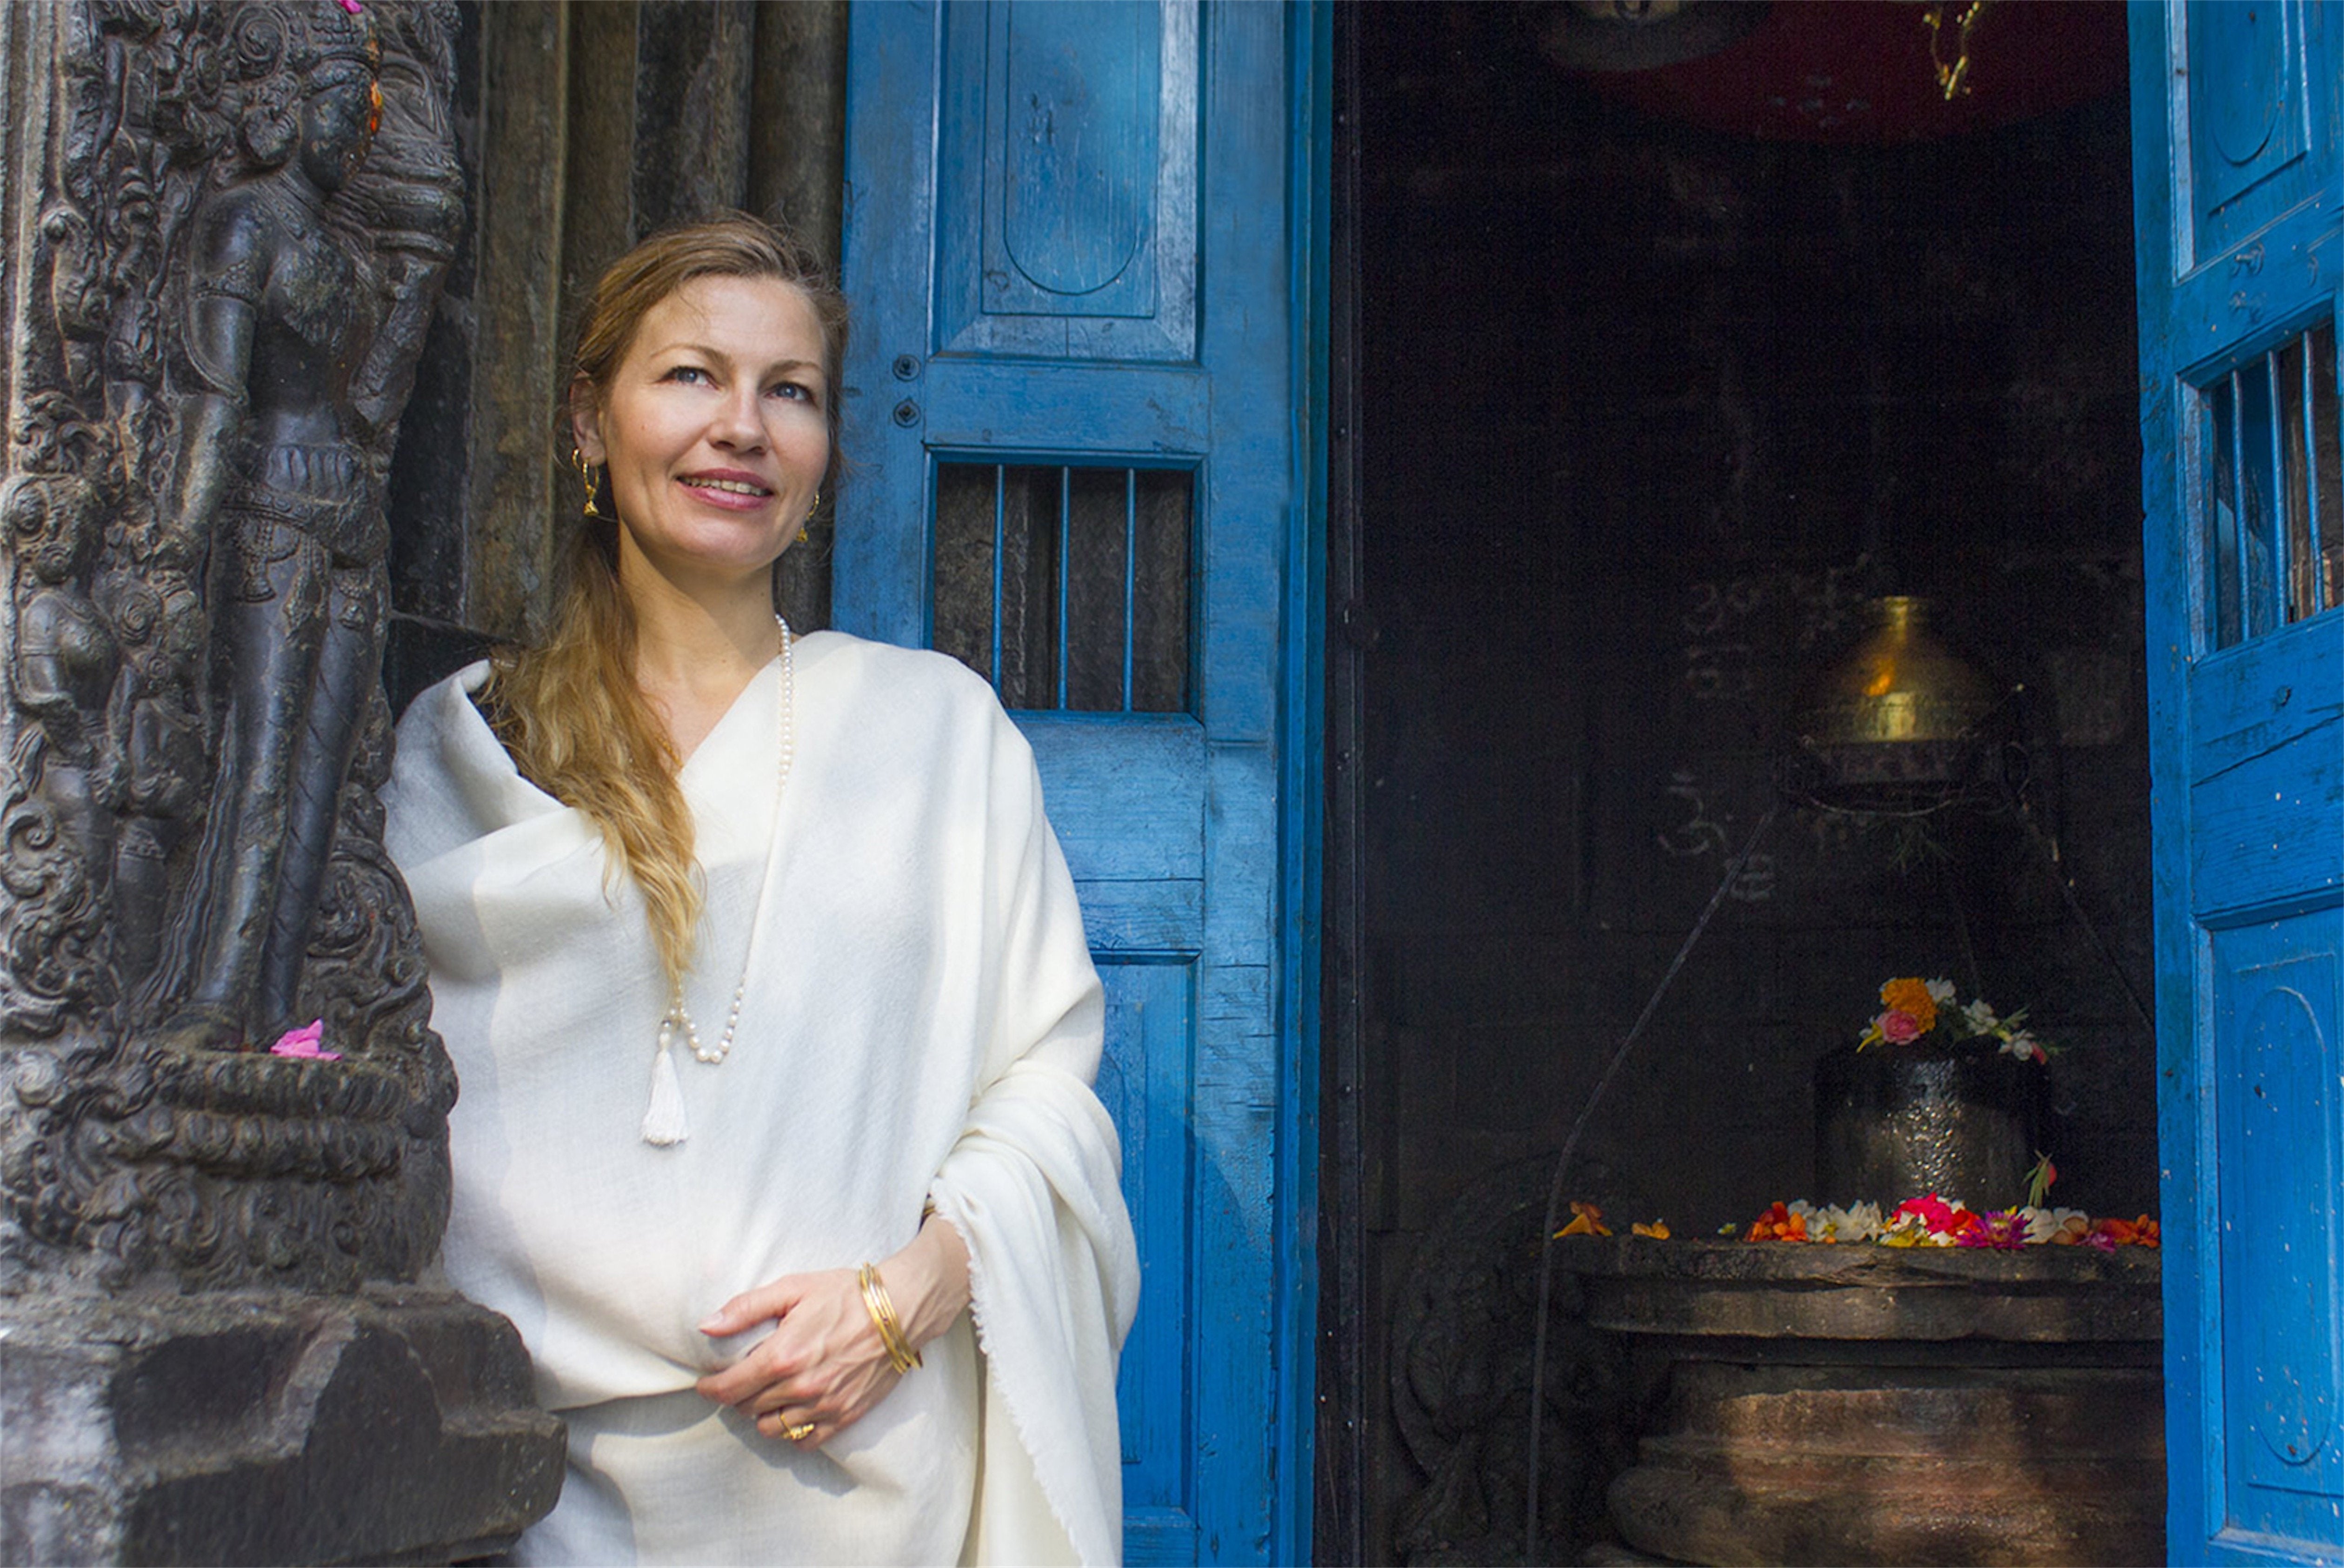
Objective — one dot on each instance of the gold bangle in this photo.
(881, 1307)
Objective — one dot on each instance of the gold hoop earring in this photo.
(806, 523)
(586, 476)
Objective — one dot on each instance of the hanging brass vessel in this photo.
(1895, 720)
(1898, 684)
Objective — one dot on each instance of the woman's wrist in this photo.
(928, 1280)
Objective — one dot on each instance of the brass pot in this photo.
(1898, 684)
(1896, 723)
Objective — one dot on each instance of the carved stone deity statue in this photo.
(276, 484)
(247, 212)
(235, 215)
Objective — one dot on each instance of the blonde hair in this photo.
(567, 708)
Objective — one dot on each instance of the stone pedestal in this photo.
(1823, 1404)
(395, 1425)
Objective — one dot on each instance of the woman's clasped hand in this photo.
(826, 1362)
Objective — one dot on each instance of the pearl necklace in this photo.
(664, 1121)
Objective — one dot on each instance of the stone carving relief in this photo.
(243, 216)
(1464, 1327)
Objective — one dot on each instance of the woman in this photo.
(763, 975)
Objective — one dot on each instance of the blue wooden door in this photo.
(1080, 407)
(2237, 192)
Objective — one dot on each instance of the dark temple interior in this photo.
(1648, 409)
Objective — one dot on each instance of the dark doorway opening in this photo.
(1629, 417)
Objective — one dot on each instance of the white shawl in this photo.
(923, 1021)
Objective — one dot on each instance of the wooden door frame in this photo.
(1315, 31)
(1340, 1478)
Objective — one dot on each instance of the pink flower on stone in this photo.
(1897, 1028)
(2005, 1229)
(305, 1041)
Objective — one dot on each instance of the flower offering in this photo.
(307, 1042)
(1929, 1220)
(1911, 1007)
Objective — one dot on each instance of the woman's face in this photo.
(715, 428)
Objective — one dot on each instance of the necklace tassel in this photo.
(664, 1121)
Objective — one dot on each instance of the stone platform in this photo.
(1852, 1404)
(394, 1425)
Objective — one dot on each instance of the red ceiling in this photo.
(1860, 70)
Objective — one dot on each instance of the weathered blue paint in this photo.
(1078, 88)
(1039, 277)
(1066, 193)
(2238, 189)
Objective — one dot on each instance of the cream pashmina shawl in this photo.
(924, 1022)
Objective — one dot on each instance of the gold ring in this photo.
(800, 1433)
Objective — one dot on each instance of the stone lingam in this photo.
(235, 220)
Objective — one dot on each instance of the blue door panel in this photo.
(1126, 793)
(2276, 1005)
(2253, 135)
(1066, 202)
(1078, 97)
(984, 406)
(2254, 232)
(1124, 917)
(2267, 766)
(1145, 1082)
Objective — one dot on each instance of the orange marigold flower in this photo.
(1586, 1220)
(1658, 1229)
(1911, 998)
(2112, 1233)
(1778, 1224)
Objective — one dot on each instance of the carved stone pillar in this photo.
(226, 226)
